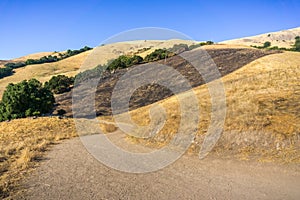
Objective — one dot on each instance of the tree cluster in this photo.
(27, 98)
(124, 62)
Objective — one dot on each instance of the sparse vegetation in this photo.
(267, 45)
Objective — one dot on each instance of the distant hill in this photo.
(284, 38)
(2, 62)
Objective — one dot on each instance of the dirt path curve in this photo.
(70, 172)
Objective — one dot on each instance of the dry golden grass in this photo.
(23, 142)
(33, 56)
(263, 111)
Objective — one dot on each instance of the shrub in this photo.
(60, 84)
(27, 98)
(267, 44)
(61, 112)
(124, 61)
(5, 71)
(158, 54)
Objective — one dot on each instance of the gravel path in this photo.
(70, 172)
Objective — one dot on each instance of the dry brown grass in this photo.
(262, 117)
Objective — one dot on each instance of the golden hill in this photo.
(284, 38)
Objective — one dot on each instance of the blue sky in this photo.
(30, 26)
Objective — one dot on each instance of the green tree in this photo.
(297, 43)
(27, 98)
(5, 71)
(267, 44)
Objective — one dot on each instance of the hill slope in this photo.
(227, 59)
(263, 111)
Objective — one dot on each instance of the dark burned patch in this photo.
(227, 61)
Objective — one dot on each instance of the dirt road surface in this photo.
(70, 172)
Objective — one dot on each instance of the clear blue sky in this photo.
(30, 26)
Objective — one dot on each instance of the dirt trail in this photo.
(70, 172)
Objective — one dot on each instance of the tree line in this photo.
(8, 68)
